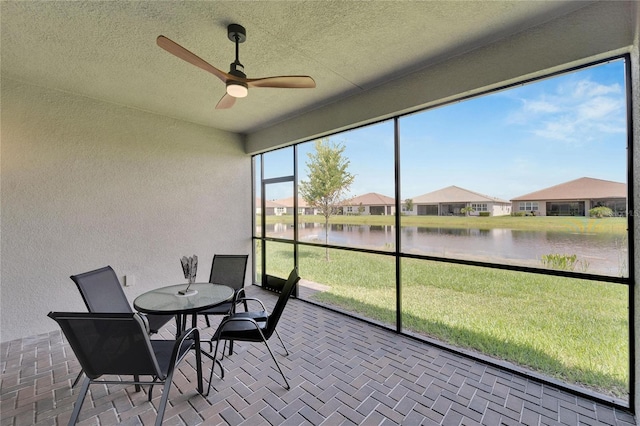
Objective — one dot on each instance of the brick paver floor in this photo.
(342, 372)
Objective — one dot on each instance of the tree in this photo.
(408, 204)
(467, 210)
(329, 181)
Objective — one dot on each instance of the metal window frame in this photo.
(628, 281)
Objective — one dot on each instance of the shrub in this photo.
(600, 212)
(466, 210)
(484, 214)
(565, 262)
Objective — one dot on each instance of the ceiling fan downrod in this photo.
(237, 34)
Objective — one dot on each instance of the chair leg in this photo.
(165, 397)
(199, 366)
(75, 382)
(277, 365)
(151, 389)
(76, 409)
(281, 341)
(213, 366)
(224, 349)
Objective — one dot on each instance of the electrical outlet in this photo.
(129, 280)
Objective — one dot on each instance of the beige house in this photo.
(451, 201)
(303, 207)
(370, 204)
(574, 198)
(271, 208)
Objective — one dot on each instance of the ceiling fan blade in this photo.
(286, 82)
(227, 101)
(182, 53)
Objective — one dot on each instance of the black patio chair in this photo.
(230, 270)
(119, 344)
(101, 291)
(242, 327)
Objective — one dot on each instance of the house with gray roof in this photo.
(370, 204)
(451, 200)
(574, 198)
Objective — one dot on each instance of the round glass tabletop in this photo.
(168, 300)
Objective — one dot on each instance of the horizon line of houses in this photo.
(572, 198)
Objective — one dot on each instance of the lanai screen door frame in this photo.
(263, 217)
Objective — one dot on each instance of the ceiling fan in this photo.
(236, 80)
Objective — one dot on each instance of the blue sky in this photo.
(505, 144)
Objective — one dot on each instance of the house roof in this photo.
(268, 203)
(455, 194)
(288, 202)
(371, 199)
(579, 189)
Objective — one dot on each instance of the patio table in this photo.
(169, 301)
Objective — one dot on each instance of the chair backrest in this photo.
(276, 313)
(101, 291)
(229, 269)
(109, 343)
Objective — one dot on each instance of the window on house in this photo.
(528, 206)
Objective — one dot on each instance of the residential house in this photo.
(574, 198)
(271, 208)
(303, 207)
(451, 201)
(370, 204)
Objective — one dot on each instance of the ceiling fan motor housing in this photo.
(236, 32)
(237, 69)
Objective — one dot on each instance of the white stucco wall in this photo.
(500, 209)
(87, 184)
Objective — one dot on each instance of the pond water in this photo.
(598, 253)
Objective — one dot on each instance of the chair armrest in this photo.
(239, 294)
(145, 320)
(229, 319)
(180, 341)
(247, 299)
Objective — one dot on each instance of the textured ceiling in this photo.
(107, 51)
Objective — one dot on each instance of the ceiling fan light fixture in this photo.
(237, 89)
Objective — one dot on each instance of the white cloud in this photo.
(599, 107)
(585, 89)
(578, 110)
(562, 129)
(539, 106)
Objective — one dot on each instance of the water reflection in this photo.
(602, 253)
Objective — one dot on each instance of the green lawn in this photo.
(573, 330)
